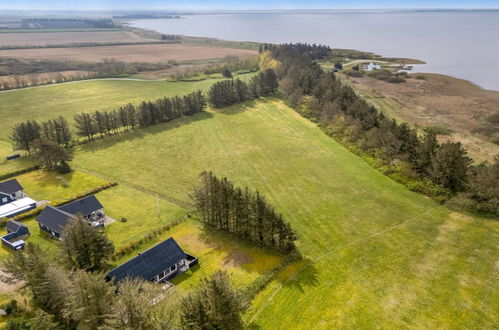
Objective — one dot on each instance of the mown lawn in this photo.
(375, 254)
(144, 213)
(242, 261)
(55, 187)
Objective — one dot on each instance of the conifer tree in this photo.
(85, 125)
(24, 133)
(215, 305)
(85, 247)
(89, 300)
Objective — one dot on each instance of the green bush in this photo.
(437, 130)
(353, 73)
(19, 172)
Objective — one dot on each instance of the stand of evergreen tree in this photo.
(215, 305)
(130, 117)
(243, 213)
(56, 131)
(442, 168)
(228, 92)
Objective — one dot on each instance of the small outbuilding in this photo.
(16, 231)
(160, 263)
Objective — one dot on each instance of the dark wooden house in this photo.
(54, 219)
(10, 191)
(160, 263)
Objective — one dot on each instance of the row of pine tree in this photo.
(243, 213)
(129, 117)
(228, 92)
(57, 131)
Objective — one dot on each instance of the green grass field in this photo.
(46, 102)
(375, 254)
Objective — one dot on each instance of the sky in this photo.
(241, 4)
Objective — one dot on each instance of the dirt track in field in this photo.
(128, 53)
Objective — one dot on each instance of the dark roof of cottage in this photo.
(85, 206)
(10, 186)
(54, 218)
(13, 226)
(150, 263)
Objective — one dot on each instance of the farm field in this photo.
(396, 257)
(58, 38)
(83, 96)
(128, 53)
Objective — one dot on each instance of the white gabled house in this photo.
(371, 66)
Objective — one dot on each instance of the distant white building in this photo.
(371, 66)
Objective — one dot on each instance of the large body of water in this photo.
(462, 44)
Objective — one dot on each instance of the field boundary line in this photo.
(178, 202)
(327, 254)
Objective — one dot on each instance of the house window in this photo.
(172, 268)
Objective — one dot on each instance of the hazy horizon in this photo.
(197, 5)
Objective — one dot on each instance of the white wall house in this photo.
(371, 66)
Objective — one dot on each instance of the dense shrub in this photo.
(19, 172)
(437, 130)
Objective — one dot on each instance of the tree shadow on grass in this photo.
(299, 274)
(109, 141)
(245, 106)
(236, 108)
(236, 250)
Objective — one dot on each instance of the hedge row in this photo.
(89, 192)
(149, 237)
(19, 172)
(250, 291)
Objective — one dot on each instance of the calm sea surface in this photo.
(460, 44)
